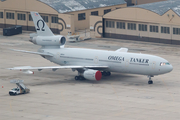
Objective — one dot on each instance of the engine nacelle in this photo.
(57, 40)
(92, 74)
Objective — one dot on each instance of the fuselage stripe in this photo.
(76, 58)
(139, 64)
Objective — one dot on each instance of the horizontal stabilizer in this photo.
(37, 53)
(122, 50)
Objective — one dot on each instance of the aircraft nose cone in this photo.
(170, 68)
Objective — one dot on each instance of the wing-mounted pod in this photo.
(57, 40)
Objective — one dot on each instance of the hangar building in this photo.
(154, 22)
(60, 15)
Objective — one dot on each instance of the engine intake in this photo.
(49, 40)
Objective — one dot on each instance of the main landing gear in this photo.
(150, 81)
(79, 78)
(106, 73)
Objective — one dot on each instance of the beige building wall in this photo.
(142, 16)
(2, 19)
(96, 26)
(68, 22)
(84, 24)
(65, 25)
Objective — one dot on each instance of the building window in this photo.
(81, 16)
(106, 11)
(131, 26)
(154, 28)
(30, 17)
(165, 30)
(94, 13)
(21, 16)
(1, 14)
(9, 15)
(120, 25)
(45, 18)
(176, 31)
(110, 24)
(142, 27)
(54, 19)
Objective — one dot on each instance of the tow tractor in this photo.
(21, 88)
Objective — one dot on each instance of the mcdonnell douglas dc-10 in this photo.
(90, 64)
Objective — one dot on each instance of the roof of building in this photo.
(63, 6)
(162, 7)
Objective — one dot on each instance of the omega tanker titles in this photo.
(91, 64)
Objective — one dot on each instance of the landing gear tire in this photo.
(150, 82)
(79, 78)
(108, 73)
(76, 77)
(104, 73)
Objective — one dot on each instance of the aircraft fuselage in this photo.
(122, 62)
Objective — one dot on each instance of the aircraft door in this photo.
(126, 66)
(96, 59)
(153, 65)
(126, 63)
(58, 55)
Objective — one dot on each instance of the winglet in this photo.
(40, 25)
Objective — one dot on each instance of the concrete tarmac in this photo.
(56, 95)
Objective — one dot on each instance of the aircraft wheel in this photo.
(108, 73)
(150, 82)
(104, 73)
(76, 77)
(81, 78)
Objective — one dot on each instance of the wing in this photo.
(37, 53)
(122, 50)
(57, 67)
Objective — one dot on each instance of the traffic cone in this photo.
(2, 86)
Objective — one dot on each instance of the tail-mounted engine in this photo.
(57, 40)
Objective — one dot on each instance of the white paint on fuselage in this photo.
(122, 62)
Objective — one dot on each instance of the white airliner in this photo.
(90, 64)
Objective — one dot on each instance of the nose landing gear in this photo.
(150, 81)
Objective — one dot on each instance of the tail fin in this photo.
(41, 28)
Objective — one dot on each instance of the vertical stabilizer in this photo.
(40, 25)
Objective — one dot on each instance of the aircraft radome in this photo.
(91, 64)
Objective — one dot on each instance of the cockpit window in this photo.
(164, 63)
